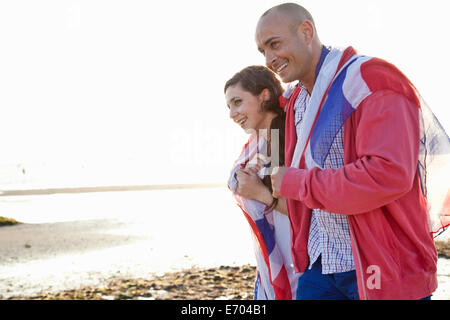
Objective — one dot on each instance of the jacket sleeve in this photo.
(387, 149)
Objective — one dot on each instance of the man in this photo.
(358, 212)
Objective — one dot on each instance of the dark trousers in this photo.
(313, 285)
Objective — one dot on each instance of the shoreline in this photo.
(47, 191)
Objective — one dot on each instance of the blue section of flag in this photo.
(335, 111)
(267, 232)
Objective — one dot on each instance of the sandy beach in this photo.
(108, 246)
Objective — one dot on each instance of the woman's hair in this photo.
(255, 79)
(277, 123)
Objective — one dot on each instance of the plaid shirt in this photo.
(329, 234)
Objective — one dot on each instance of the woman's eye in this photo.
(237, 102)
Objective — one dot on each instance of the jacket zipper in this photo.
(359, 262)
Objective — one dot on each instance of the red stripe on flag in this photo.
(281, 285)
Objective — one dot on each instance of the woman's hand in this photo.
(257, 163)
(250, 186)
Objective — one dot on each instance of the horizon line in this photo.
(26, 192)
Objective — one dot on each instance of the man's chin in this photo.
(286, 78)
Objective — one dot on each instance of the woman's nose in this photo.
(233, 113)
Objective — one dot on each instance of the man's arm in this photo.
(387, 146)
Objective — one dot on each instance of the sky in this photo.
(137, 86)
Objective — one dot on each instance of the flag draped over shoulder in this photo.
(330, 106)
(276, 277)
(434, 169)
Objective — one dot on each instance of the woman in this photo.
(252, 95)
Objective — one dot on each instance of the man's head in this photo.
(286, 36)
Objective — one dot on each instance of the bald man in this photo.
(358, 215)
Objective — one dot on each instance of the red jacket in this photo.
(378, 188)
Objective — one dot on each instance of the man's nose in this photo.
(270, 59)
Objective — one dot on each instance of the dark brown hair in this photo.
(255, 79)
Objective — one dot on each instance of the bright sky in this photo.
(113, 81)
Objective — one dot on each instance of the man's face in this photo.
(285, 48)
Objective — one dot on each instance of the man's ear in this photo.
(306, 31)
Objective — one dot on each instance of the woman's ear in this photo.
(265, 95)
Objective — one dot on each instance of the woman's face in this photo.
(245, 108)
